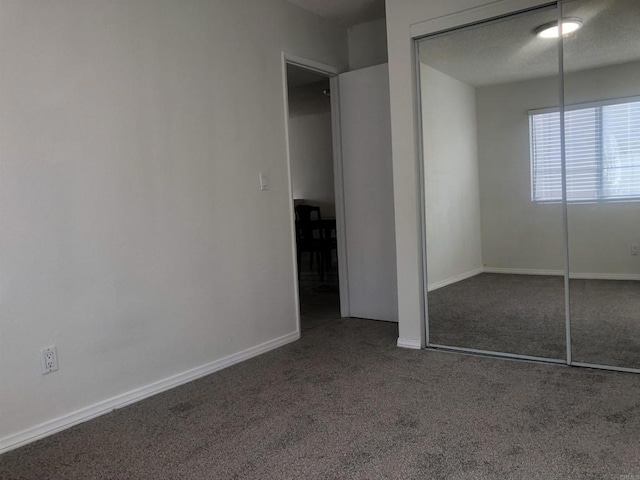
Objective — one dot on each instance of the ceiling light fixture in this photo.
(550, 30)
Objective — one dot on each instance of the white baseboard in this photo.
(605, 276)
(457, 278)
(575, 275)
(61, 423)
(409, 343)
(523, 271)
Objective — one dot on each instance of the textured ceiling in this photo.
(345, 12)
(507, 50)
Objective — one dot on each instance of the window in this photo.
(602, 149)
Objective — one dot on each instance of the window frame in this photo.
(599, 104)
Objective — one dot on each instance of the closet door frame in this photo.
(456, 21)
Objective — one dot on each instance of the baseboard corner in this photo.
(455, 279)
(409, 343)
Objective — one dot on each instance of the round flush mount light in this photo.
(550, 30)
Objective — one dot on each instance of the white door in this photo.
(368, 193)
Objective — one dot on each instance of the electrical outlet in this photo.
(635, 249)
(49, 360)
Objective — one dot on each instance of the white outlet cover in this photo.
(49, 360)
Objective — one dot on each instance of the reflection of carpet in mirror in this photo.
(524, 314)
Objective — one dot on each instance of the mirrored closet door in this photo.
(602, 138)
(531, 184)
(493, 218)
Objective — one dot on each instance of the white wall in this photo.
(368, 193)
(519, 234)
(367, 44)
(403, 19)
(311, 147)
(516, 234)
(452, 194)
(133, 232)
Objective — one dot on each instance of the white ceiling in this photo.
(345, 12)
(507, 50)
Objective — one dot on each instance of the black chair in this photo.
(310, 236)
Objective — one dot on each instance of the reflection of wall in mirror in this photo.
(518, 234)
(451, 178)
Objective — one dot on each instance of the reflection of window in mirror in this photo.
(602, 141)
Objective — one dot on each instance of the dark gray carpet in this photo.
(345, 403)
(525, 314)
(605, 322)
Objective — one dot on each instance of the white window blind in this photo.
(602, 147)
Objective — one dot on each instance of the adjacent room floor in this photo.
(525, 314)
(345, 403)
(319, 295)
(319, 302)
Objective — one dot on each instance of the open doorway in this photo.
(313, 182)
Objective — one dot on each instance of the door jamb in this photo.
(341, 236)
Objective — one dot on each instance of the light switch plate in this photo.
(264, 184)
